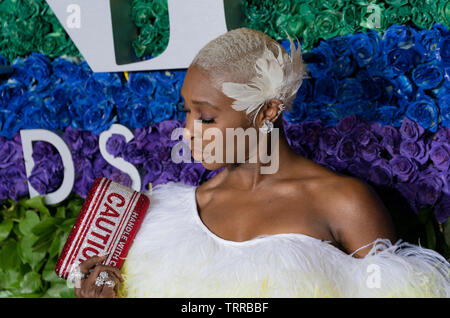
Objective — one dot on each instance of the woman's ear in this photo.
(268, 111)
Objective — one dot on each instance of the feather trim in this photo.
(174, 256)
(277, 77)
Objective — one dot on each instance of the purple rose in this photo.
(152, 170)
(15, 181)
(118, 176)
(410, 129)
(73, 138)
(99, 165)
(90, 143)
(346, 149)
(443, 134)
(167, 126)
(442, 209)
(359, 169)
(440, 155)
(191, 174)
(134, 154)
(116, 144)
(417, 150)
(328, 140)
(85, 178)
(40, 180)
(9, 154)
(380, 172)
(319, 156)
(42, 149)
(430, 182)
(312, 131)
(390, 139)
(335, 164)
(294, 134)
(403, 168)
(346, 124)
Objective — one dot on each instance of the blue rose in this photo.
(427, 75)
(344, 66)
(11, 93)
(364, 47)
(350, 92)
(98, 117)
(161, 110)
(142, 83)
(341, 45)
(400, 61)
(67, 70)
(398, 37)
(31, 111)
(403, 90)
(120, 96)
(108, 79)
(325, 91)
(95, 90)
(426, 42)
(425, 112)
(326, 57)
(444, 105)
(38, 68)
(296, 113)
(443, 50)
(140, 112)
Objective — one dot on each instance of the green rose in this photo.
(328, 24)
(292, 24)
(351, 16)
(54, 44)
(146, 39)
(29, 9)
(422, 18)
(396, 3)
(334, 5)
(398, 15)
(141, 13)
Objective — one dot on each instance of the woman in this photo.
(300, 231)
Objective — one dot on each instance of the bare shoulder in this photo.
(355, 213)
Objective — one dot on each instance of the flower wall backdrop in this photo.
(375, 106)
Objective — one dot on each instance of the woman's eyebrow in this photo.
(203, 103)
(200, 102)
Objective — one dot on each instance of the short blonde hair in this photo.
(232, 57)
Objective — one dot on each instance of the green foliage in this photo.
(32, 235)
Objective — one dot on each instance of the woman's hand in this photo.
(86, 287)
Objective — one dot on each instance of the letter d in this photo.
(28, 136)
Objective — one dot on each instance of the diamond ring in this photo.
(75, 276)
(110, 283)
(101, 279)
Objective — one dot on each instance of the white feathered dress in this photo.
(175, 255)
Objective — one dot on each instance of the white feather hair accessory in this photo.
(277, 77)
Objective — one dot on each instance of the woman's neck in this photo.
(249, 176)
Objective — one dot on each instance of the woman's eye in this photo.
(207, 121)
(204, 121)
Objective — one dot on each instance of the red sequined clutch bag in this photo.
(108, 222)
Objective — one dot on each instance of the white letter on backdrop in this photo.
(28, 136)
(120, 163)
